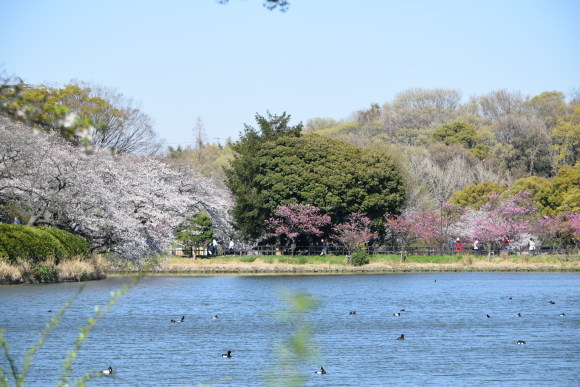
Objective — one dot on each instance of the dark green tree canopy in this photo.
(197, 231)
(337, 177)
(243, 170)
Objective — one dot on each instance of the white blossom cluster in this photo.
(125, 204)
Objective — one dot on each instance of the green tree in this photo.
(249, 211)
(456, 133)
(116, 122)
(476, 195)
(197, 231)
(566, 138)
(332, 175)
(566, 190)
(539, 187)
(550, 106)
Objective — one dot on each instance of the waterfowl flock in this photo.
(321, 371)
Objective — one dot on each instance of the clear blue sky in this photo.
(184, 59)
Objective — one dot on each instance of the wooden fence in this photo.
(341, 250)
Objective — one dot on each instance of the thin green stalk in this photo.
(297, 348)
(84, 332)
(20, 377)
(13, 368)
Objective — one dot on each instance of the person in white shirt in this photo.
(532, 246)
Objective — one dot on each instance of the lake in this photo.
(448, 339)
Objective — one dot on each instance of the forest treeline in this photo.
(84, 158)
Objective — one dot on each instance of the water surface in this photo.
(449, 340)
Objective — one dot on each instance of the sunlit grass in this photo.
(391, 261)
(74, 269)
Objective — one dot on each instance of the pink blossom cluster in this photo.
(295, 219)
(356, 232)
(515, 217)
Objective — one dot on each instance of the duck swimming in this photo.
(521, 342)
(353, 312)
(108, 371)
(562, 315)
(215, 317)
(487, 316)
(402, 337)
(519, 315)
(182, 319)
(228, 355)
(321, 371)
(396, 314)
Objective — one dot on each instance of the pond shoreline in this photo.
(308, 269)
(202, 267)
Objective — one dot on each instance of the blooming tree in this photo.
(561, 228)
(295, 219)
(128, 204)
(515, 217)
(575, 224)
(355, 233)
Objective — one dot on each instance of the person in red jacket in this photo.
(458, 248)
(506, 244)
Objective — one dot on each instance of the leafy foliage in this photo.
(566, 135)
(476, 195)
(106, 118)
(359, 258)
(197, 231)
(456, 133)
(336, 177)
(36, 244)
(249, 211)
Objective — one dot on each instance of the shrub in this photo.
(359, 258)
(36, 244)
(73, 244)
(248, 258)
(46, 272)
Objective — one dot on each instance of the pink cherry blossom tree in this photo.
(417, 227)
(356, 233)
(294, 219)
(515, 217)
(563, 228)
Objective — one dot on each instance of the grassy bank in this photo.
(378, 263)
(48, 271)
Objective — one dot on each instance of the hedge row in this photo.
(36, 244)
